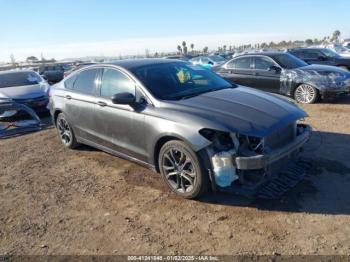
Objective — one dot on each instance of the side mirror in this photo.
(275, 69)
(123, 99)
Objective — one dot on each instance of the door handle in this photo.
(68, 97)
(100, 103)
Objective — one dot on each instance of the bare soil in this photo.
(58, 201)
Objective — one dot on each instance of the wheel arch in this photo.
(305, 83)
(55, 115)
(161, 140)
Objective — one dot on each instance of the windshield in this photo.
(217, 58)
(289, 61)
(19, 79)
(175, 81)
(329, 53)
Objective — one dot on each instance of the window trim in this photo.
(265, 56)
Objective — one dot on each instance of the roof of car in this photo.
(135, 63)
(17, 71)
(262, 54)
(306, 48)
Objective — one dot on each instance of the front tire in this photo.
(306, 94)
(65, 132)
(182, 171)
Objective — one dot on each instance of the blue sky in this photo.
(63, 28)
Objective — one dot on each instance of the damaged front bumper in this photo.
(264, 160)
(10, 125)
(269, 174)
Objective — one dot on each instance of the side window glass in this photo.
(85, 82)
(263, 63)
(114, 82)
(310, 54)
(243, 63)
(205, 60)
(69, 83)
(231, 64)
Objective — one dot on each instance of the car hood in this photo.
(242, 110)
(323, 68)
(23, 92)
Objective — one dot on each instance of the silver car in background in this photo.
(24, 87)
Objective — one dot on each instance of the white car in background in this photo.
(24, 87)
(339, 49)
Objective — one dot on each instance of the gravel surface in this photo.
(84, 201)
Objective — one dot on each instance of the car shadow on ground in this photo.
(340, 100)
(324, 190)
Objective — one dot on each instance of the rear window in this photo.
(19, 79)
(85, 82)
(240, 63)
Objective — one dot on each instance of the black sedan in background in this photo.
(286, 74)
(322, 56)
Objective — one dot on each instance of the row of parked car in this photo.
(197, 129)
(306, 74)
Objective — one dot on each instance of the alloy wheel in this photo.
(179, 170)
(305, 94)
(64, 131)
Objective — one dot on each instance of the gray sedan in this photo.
(195, 128)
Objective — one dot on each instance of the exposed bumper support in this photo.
(262, 161)
(13, 128)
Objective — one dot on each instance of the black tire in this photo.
(65, 132)
(306, 94)
(187, 167)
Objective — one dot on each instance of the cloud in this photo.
(134, 46)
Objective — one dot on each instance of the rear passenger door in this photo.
(239, 71)
(265, 78)
(79, 102)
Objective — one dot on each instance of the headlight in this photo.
(221, 140)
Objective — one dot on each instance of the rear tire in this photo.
(182, 170)
(65, 132)
(306, 94)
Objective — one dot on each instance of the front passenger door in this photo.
(265, 78)
(120, 127)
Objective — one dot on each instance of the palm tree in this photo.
(192, 47)
(335, 36)
(184, 47)
(179, 49)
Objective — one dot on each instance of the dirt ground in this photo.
(58, 201)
